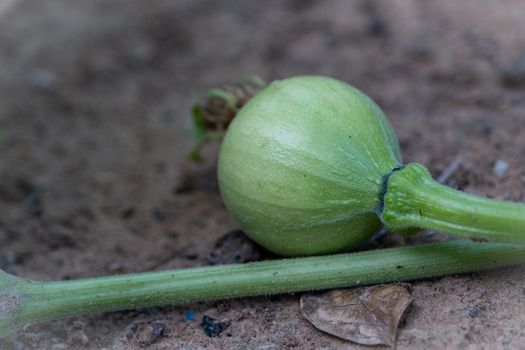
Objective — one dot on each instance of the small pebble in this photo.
(148, 333)
(213, 327)
(476, 311)
(190, 315)
(500, 167)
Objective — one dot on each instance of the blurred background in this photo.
(95, 100)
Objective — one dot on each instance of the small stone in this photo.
(213, 327)
(500, 167)
(148, 333)
(189, 315)
(476, 311)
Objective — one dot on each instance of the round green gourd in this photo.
(310, 165)
(303, 165)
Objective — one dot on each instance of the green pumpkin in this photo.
(303, 166)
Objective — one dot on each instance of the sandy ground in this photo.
(94, 105)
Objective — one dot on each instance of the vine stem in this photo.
(23, 302)
(414, 200)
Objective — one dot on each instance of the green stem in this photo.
(414, 200)
(37, 301)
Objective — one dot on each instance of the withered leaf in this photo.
(366, 315)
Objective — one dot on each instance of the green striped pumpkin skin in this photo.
(302, 165)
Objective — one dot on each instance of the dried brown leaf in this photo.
(366, 315)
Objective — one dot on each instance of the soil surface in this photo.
(94, 107)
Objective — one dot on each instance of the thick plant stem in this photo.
(414, 200)
(37, 301)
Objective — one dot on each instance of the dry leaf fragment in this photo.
(366, 315)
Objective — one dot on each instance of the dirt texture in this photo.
(95, 100)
